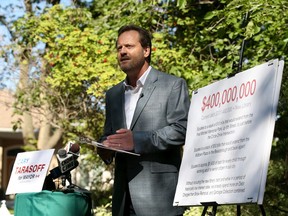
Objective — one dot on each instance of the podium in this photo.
(47, 203)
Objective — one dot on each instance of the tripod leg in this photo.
(204, 211)
(262, 210)
(238, 210)
(214, 210)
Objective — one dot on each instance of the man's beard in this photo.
(132, 66)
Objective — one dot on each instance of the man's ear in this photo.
(147, 51)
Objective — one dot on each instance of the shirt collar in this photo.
(140, 82)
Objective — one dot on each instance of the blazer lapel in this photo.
(147, 90)
(119, 106)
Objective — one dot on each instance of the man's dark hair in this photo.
(145, 36)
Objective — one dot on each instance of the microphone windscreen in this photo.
(62, 153)
(75, 148)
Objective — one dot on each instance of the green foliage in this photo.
(103, 210)
(79, 67)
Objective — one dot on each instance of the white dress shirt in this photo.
(132, 95)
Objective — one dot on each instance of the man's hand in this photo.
(123, 139)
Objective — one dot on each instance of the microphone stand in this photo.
(67, 177)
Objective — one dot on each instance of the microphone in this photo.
(74, 149)
(56, 173)
(67, 159)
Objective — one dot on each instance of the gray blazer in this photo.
(159, 129)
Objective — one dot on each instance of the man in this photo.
(146, 114)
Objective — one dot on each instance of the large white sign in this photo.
(29, 171)
(229, 136)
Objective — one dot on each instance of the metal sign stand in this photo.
(238, 68)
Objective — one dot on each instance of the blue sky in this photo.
(11, 13)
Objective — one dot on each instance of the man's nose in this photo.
(122, 50)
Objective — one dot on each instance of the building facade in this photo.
(11, 142)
